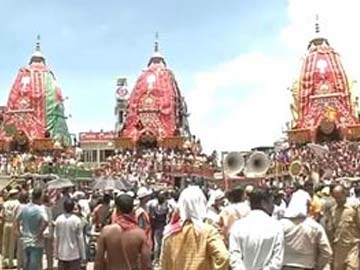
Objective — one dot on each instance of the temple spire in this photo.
(38, 39)
(37, 56)
(318, 39)
(156, 57)
(317, 24)
(156, 48)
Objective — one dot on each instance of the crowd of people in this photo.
(312, 221)
(330, 160)
(16, 163)
(137, 165)
(143, 164)
(308, 226)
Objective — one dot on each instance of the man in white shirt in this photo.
(257, 241)
(214, 207)
(48, 233)
(279, 205)
(83, 201)
(69, 240)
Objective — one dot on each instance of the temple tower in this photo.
(324, 105)
(156, 113)
(35, 108)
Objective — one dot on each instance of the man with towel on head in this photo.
(306, 242)
(214, 207)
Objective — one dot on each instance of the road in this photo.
(90, 266)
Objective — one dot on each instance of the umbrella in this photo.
(40, 176)
(318, 149)
(349, 179)
(59, 183)
(111, 184)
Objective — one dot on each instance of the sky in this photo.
(233, 60)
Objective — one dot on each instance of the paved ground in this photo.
(89, 267)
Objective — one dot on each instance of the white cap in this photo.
(143, 192)
(13, 191)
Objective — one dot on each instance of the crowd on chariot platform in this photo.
(330, 160)
(129, 163)
(154, 163)
(16, 163)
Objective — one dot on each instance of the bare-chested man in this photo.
(123, 245)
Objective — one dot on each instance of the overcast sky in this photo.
(233, 59)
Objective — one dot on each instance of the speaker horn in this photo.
(257, 165)
(234, 163)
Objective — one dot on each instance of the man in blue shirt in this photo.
(33, 221)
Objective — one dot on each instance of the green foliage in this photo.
(66, 171)
(10, 130)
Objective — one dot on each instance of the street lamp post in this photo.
(74, 138)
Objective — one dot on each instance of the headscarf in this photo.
(215, 195)
(298, 206)
(192, 206)
(212, 214)
(174, 225)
